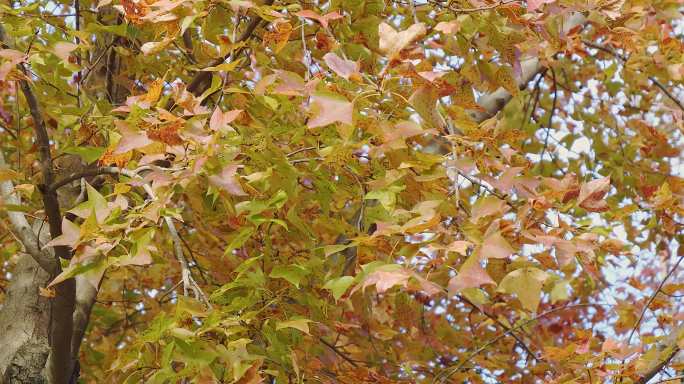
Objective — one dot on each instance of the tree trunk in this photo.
(24, 325)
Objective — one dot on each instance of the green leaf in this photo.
(292, 273)
(239, 238)
(88, 154)
(339, 286)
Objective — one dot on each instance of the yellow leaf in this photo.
(46, 292)
(154, 91)
(298, 324)
(526, 283)
(225, 67)
(392, 42)
(505, 79)
(8, 174)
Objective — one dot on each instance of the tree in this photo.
(351, 191)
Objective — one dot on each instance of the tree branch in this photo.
(85, 173)
(624, 60)
(189, 282)
(59, 365)
(202, 79)
(506, 328)
(50, 202)
(22, 228)
(656, 369)
(497, 100)
(447, 372)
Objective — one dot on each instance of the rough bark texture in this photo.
(24, 325)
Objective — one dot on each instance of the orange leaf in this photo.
(324, 19)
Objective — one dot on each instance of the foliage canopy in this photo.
(347, 191)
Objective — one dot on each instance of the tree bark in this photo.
(24, 325)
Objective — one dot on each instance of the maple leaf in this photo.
(220, 120)
(459, 246)
(63, 49)
(533, 5)
(591, 195)
(488, 206)
(494, 245)
(71, 233)
(393, 42)
(424, 101)
(347, 69)
(448, 27)
(526, 283)
(471, 275)
(329, 109)
(167, 133)
(298, 324)
(323, 19)
(154, 90)
(228, 180)
(386, 279)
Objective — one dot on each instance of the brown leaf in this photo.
(488, 206)
(424, 101)
(448, 27)
(279, 36)
(495, 246)
(384, 280)
(167, 133)
(591, 195)
(47, 292)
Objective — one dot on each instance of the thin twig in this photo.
(679, 377)
(477, 9)
(650, 300)
(502, 325)
(201, 80)
(624, 60)
(447, 372)
(553, 111)
(296, 161)
(648, 303)
(300, 150)
(338, 352)
(189, 282)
